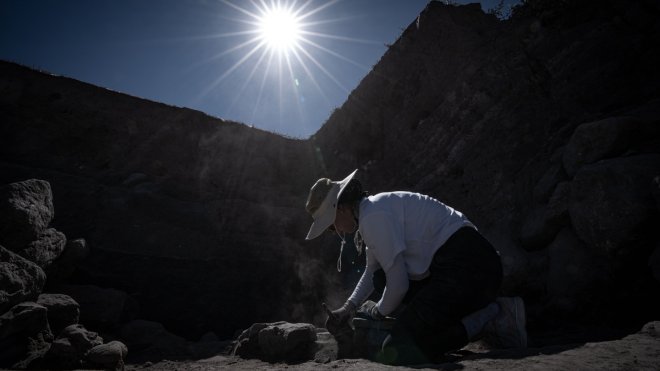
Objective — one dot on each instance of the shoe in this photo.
(507, 329)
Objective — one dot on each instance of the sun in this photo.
(280, 57)
(279, 29)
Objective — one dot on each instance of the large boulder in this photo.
(611, 204)
(279, 341)
(100, 308)
(597, 140)
(63, 311)
(26, 209)
(24, 334)
(46, 248)
(20, 279)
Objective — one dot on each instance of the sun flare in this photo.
(279, 29)
(281, 58)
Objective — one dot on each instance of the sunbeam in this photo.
(277, 43)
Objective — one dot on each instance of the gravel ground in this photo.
(640, 351)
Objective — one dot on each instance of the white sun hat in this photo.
(322, 203)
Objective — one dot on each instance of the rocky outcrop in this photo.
(45, 333)
(20, 280)
(26, 209)
(502, 121)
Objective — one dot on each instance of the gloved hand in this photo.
(369, 310)
(339, 317)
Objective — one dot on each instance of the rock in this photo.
(24, 333)
(278, 341)
(71, 346)
(652, 329)
(573, 271)
(110, 356)
(46, 248)
(598, 140)
(63, 354)
(542, 225)
(548, 182)
(26, 209)
(37, 350)
(20, 279)
(611, 206)
(247, 345)
(150, 341)
(62, 310)
(64, 266)
(81, 338)
(100, 308)
(290, 342)
(327, 349)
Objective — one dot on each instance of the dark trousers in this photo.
(465, 276)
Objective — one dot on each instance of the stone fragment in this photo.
(62, 310)
(327, 349)
(26, 209)
(652, 329)
(20, 279)
(71, 346)
(110, 356)
(46, 248)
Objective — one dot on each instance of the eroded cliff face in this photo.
(198, 218)
(201, 220)
(526, 126)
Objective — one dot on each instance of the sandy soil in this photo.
(640, 351)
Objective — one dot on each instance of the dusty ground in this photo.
(640, 351)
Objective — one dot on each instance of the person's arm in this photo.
(396, 287)
(365, 286)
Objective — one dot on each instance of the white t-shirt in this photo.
(402, 232)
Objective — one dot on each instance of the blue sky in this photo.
(204, 54)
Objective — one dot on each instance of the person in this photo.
(435, 272)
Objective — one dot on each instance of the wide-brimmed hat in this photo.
(322, 203)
